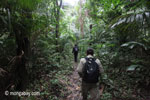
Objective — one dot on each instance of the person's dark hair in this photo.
(90, 51)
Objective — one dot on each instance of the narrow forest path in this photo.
(73, 85)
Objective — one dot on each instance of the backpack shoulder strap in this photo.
(94, 59)
(86, 58)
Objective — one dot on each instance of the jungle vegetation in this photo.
(37, 36)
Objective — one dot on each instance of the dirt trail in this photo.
(73, 85)
(73, 91)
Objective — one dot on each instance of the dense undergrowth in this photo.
(36, 40)
(48, 68)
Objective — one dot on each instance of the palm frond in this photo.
(129, 18)
(132, 44)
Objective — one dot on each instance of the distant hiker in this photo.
(89, 70)
(75, 51)
(90, 46)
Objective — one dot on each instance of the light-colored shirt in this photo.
(83, 61)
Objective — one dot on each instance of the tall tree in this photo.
(81, 19)
(57, 15)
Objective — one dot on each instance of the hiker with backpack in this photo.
(75, 52)
(89, 69)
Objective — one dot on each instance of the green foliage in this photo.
(106, 96)
(132, 44)
(36, 21)
(121, 41)
(119, 35)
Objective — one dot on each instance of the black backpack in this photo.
(90, 71)
(76, 49)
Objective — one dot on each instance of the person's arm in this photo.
(100, 65)
(80, 66)
(73, 50)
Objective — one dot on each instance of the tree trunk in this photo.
(23, 48)
(57, 15)
(81, 21)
